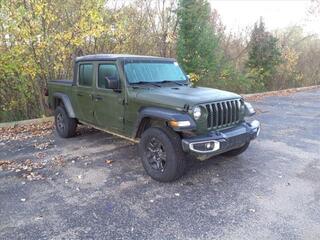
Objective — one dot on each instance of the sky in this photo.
(236, 15)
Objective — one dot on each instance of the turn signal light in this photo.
(177, 124)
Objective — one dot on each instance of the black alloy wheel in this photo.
(161, 154)
(156, 154)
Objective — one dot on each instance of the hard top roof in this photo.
(106, 57)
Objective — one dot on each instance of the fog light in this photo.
(208, 146)
(205, 146)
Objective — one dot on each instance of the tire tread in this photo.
(175, 142)
(70, 124)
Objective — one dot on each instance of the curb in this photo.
(255, 96)
(25, 122)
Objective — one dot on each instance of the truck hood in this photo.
(179, 96)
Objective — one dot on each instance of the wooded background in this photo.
(40, 38)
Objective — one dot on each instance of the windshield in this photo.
(138, 72)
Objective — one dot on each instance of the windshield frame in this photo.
(146, 60)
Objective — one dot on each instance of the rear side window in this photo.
(85, 74)
(108, 70)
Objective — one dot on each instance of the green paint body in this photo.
(119, 110)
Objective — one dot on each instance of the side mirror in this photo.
(112, 83)
(188, 76)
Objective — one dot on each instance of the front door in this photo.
(83, 93)
(108, 103)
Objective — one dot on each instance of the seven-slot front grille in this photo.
(223, 114)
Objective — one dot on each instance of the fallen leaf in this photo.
(24, 166)
(109, 161)
(58, 160)
(4, 162)
(33, 176)
(24, 132)
(285, 92)
(40, 155)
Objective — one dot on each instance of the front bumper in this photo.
(217, 142)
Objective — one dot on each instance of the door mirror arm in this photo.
(112, 83)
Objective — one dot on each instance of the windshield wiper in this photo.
(145, 82)
(176, 82)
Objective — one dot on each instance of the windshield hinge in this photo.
(186, 107)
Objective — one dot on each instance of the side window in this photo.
(85, 74)
(108, 70)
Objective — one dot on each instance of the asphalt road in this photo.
(272, 191)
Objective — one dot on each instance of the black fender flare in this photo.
(66, 102)
(163, 114)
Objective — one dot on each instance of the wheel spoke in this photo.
(151, 150)
(156, 154)
(60, 122)
(159, 165)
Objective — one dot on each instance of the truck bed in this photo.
(63, 86)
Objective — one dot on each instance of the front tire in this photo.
(161, 154)
(65, 126)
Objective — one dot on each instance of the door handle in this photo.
(98, 98)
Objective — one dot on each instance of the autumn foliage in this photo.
(39, 40)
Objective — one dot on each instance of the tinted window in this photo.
(153, 72)
(107, 70)
(85, 74)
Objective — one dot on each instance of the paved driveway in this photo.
(94, 187)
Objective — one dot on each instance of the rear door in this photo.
(108, 103)
(84, 92)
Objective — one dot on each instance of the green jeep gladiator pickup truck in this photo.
(151, 101)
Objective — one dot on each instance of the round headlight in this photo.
(197, 113)
(249, 110)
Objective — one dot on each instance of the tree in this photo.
(40, 38)
(314, 9)
(197, 44)
(164, 26)
(45, 35)
(263, 57)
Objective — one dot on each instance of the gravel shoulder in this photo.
(93, 186)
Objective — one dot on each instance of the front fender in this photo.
(166, 115)
(66, 102)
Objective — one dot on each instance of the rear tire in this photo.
(65, 126)
(161, 154)
(237, 151)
